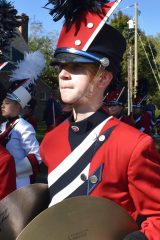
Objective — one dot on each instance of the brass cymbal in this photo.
(20, 207)
(85, 217)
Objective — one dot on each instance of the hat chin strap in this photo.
(99, 72)
(94, 80)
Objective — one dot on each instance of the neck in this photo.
(12, 118)
(88, 105)
(81, 113)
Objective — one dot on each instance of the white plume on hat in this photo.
(29, 69)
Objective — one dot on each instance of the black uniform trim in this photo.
(80, 191)
(85, 127)
(98, 175)
(79, 166)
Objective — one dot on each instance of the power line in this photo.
(154, 60)
(149, 62)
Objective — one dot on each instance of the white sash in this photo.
(69, 161)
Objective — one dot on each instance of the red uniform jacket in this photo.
(143, 122)
(130, 175)
(7, 173)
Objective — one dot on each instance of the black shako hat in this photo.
(115, 97)
(85, 36)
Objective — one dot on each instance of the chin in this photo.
(67, 100)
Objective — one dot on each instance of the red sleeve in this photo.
(7, 173)
(35, 166)
(144, 186)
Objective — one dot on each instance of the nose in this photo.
(2, 105)
(64, 74)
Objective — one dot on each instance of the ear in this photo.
(105, 79)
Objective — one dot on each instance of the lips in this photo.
(66, 87)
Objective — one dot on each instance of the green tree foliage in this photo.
(46, 44)
(156, 42)
(120, 21)
(8, 23)
(156, 99)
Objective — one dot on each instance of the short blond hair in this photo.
(92, 69)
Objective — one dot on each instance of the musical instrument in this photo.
(19, 207)
(85, 217)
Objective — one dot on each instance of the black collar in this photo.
(89, 123)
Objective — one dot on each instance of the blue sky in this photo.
(148, 20)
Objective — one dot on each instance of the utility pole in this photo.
(135, 49)
(130, 80)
